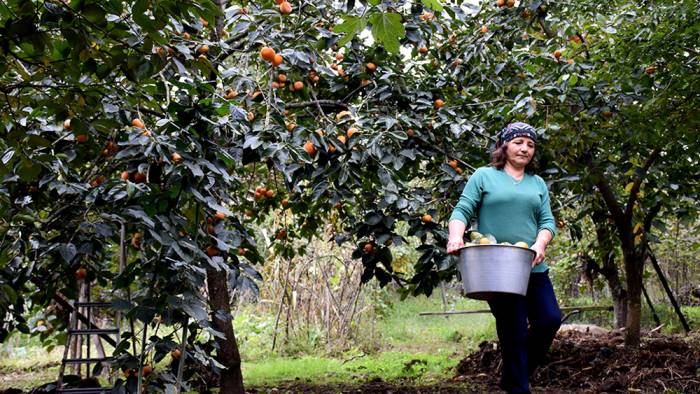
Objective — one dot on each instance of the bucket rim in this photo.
(532, 252)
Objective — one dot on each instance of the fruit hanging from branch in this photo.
(81, 273)
(138, 123)
(285, 8)
(268, 54)
(309, 148)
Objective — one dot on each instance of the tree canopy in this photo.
(190, 122)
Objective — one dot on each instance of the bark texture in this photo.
(227, 354)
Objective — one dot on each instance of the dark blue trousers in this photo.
(523, 348)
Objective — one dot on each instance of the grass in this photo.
(404, 346)
(25, 367)
(672, 324)
(388, 366)
(398, 345)
(405, 330)
(420, 349)
(27, 379)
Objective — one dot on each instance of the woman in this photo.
(513, 205)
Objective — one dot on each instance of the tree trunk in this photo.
(634, 268)
(619, 296)
(227, 354)
(609, 270)
(622, 218)
(217, 284)
(618, 292)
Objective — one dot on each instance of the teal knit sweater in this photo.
(509, 210)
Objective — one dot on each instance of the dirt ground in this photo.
(582, 360)
(598, 362)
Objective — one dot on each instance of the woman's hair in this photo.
(499, 158)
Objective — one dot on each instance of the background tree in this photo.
(191, 122)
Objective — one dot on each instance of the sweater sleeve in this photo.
(545, 220)
(469, 200)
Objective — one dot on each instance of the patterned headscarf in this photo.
(517, 129)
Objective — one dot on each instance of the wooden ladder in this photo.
(81, 311)
(76, 332)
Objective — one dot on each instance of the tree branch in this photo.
(691, 50)
(545, 28)
(638, 182)
(649, 218)
(585, 45)
(150, 111)
(330, 104)
(608, 196)
(228, 52)
(318, 105)
(353, 93)
(481, 103)
(10, 88)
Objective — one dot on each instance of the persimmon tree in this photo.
(627, 98)
(168, 119)
(613, 86)
(189, 123)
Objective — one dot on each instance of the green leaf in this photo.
(94, 13)
(8, 294)
(68, 252)
(29, 170)
(352, 25)
(140, 16)
(432, 4)
(114, 6)
(387, 29)
(573, 80)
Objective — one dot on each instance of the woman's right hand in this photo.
(453, 245)
(455, 238)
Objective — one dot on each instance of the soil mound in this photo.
(598, 362)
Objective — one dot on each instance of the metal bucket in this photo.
(488, 269)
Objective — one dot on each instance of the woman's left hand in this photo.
(539, 253)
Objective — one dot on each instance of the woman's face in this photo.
(519, 151)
